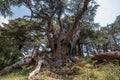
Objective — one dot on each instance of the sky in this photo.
(106, 13)
(3, 20)
(17, 12)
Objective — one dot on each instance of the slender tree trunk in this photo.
(81, 50)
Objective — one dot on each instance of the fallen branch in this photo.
(26, 60)
(106, 57)
(36, 70)
(17, 65)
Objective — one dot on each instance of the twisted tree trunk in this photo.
(63, 43)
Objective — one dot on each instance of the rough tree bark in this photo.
(63, 43)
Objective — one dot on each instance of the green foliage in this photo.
(100, 37)
(14, 36)
(114, 32)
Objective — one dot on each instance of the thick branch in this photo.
(29, 7)
(76, 36)
(51, 41)
(39, 16)
(80, 13)
(77, 18)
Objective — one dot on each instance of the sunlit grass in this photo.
(108, 71)
(16, 75)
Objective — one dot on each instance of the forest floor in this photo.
(79, 71)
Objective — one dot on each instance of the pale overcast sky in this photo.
(106, 13)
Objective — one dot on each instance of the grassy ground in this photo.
(16, 75)
(108, 71)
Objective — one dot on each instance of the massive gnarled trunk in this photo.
(63, 43)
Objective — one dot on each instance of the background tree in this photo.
(114, 31)
(17, 38)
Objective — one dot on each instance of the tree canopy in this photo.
(63, 28)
